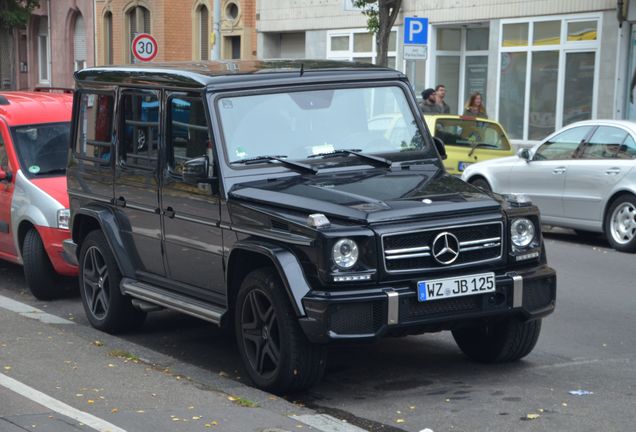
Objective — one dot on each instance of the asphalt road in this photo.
(419, 382)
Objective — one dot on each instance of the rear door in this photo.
(137, 176)
(7, 247)
(543, 178)
(602, 163)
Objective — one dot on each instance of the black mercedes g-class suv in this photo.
(297, 203)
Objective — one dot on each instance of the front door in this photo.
(543, 178)
(191, 212)
(137, 176)
(604, 160)
(7, 247)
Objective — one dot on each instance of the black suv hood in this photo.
(371, 196)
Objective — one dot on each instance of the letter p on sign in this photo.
(415, 31)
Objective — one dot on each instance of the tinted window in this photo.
(95, 127)
(140, 130)
(563, 145)
(42, 148)
(627, 150)
(187, 132)
(604, 143)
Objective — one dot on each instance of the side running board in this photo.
(170, 300)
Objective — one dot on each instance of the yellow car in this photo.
(469, 140)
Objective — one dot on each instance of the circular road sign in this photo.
(144, 47)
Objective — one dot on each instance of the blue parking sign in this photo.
(415, 31)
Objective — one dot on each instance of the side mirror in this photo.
(524, 154)
(5, 176)
(196, 170)
(441, 148)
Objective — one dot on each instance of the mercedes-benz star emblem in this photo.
(445, 248)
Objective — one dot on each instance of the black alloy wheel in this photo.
(276, 354)
(260, 333)
(106, 308)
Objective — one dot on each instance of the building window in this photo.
(108, 38)
(138, 21)
(43, 50)
(534, 98)
(358, 45)
(203, 32)
(461, 63)
(79, 44)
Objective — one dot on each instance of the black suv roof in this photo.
(212, 73)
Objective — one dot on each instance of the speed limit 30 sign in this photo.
(144, 47)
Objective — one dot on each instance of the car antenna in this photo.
(302, 69)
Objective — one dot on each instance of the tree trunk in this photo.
(387, 14)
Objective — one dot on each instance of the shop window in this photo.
(515, 35)
(448, 39)
(543, 93)
(581, 31)
(547, 33)
(477, 39)
(359, 46)
(340, 43)
(512, 92)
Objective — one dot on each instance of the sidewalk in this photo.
(125, 386)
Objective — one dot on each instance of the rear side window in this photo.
(95, 127)
(139, 136)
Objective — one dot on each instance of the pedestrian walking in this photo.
(440, 91)
(475, 106)
(429, 105)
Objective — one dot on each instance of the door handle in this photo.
(559, 170)
(613, 171)
(169, 212)
(120, 202)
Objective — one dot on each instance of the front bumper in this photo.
(53, 238)
(367, 314)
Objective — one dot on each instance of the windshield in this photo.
(298, 125)
(42, 148)
(471, 132)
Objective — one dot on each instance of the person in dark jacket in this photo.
(428, 105)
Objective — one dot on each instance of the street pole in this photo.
(216, 27)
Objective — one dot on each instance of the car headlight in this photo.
(345, 253)
(521, 232)
(63, 218)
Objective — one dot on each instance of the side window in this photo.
(4, 162)
(627, 150)
(95, 127)
(188, 136)
(563, 145)
(604, 144)
(139, 133)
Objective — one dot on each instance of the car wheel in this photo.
(277, 355)
(106, 307)
(500, 341)
(41, 278)
(620, 224)
(481, 183)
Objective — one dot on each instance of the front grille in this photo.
(411, 309)
(412, 251)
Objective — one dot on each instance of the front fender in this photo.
(286, 264)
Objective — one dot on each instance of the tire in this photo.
(620, 224)
(41, 278)
(276, 354)
(106, 308)
(498, 342)
(481, 183)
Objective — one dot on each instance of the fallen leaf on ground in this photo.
(532, 416)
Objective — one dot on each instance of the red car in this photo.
(34, 143)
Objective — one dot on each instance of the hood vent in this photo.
(281, 226)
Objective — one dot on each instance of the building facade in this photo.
(182, 28)
(539, 65)
(56, 41)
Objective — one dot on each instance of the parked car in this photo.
(469, 140)
(582, 176)
(34, 214)
(270, 198)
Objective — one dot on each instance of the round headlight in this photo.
(345, 253)
(522, 232)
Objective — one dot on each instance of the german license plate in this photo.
(436, 289)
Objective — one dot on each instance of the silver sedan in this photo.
(582, 177)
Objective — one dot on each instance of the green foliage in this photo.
(370, 10)
(15, 13)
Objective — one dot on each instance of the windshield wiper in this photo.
(373, 160)
(474, 147)
(297, 166)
